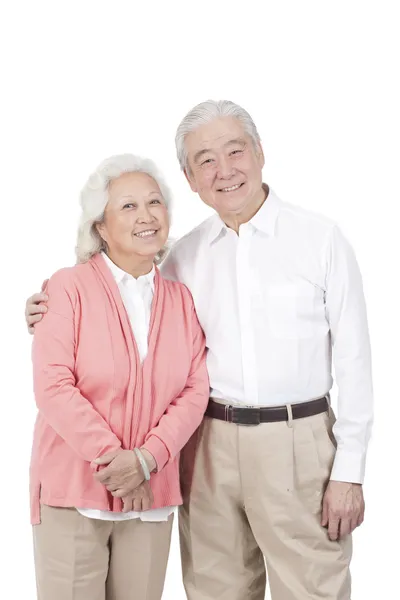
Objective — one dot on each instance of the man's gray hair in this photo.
(205, 113)
(94, 199)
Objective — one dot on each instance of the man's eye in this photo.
(236, 151)
(129, 205)
(207, 161)
(155, 201)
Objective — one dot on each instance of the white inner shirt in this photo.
(277, 302)
(137, 296)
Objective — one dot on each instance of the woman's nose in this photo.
(144, 215)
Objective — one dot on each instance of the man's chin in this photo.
(235, 205)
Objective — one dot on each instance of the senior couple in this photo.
(269, 482)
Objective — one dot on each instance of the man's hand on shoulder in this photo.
(342, 508)
(35, 308)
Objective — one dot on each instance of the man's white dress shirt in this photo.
(277, 302)
(137, 296)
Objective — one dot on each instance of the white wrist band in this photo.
(143, 463)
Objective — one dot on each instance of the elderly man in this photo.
(270, 481)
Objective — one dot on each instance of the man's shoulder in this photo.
(304, 225)
(188, 245)
(179, 264)
(196, 235)
(306, 218)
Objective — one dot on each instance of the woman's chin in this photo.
(146, 246)
(149, 251)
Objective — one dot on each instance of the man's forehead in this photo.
(216, 133)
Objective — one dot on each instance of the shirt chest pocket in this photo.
(295, 310)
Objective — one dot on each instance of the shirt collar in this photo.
(217, 226)
(264, 220)
(120, 275)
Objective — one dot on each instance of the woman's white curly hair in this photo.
(94, 198)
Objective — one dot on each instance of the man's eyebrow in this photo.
(200, 153)
(240, 141)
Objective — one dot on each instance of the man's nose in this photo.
(225, 168)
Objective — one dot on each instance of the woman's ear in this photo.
(101, 231)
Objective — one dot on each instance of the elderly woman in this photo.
(121, 384)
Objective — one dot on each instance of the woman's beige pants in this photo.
(78, 558)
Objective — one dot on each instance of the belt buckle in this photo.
(251, 415)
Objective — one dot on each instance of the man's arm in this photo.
(34, 307)
(347, 317)
(343, 504)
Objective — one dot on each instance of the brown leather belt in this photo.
(264, 414)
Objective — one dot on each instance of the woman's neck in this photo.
(135, 266)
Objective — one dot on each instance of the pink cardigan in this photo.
(94, 396)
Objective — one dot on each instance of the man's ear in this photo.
(190, 179)
(260, 153)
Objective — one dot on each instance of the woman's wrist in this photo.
(150, 460)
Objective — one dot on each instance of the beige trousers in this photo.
(78, 558)
(255, 493)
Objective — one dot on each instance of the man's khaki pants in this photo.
(253, 493)
(78, 558)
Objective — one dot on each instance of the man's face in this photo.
(225, 168)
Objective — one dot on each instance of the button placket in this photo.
(245, 316)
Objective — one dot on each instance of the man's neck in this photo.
(234, 221)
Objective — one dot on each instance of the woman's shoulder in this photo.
(178, 289)
(69, 278)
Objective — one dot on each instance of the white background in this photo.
(83, 80)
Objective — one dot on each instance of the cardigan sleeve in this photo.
(185, 413)
(58, 399)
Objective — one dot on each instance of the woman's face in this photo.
(136, 218)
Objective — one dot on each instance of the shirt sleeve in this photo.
(184, 414)
(351, 353)
(57, 397)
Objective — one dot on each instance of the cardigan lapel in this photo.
(139, 377)
(111, 287)
(134, 391)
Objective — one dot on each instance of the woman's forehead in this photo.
(138, 183)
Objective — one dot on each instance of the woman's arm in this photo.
(185, 413)
(58, 399)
